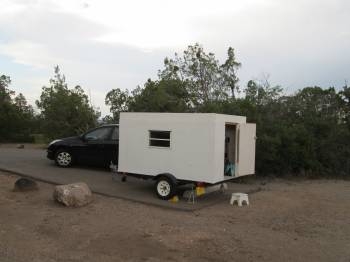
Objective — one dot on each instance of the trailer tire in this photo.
(165, 187)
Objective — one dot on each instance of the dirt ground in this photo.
(286, 221)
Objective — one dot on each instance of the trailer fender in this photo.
(168, 175)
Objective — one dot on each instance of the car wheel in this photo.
(63, 158)
(165, 188)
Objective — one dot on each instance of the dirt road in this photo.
(287, 221)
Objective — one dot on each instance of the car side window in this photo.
(115, 134)
(102, 133)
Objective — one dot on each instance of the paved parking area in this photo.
(33, 163)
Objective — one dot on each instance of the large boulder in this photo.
(73, 195)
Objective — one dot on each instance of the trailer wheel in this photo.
(165, 188)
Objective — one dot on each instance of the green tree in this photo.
(261, 93)
(345, 101)
(64, 111)
(205, 79)
(16, 116)
(229, 72)
(320, 112)
(6, 109)
(22, 104)
(5, 93)
(118, 101)
(156, 96)
(302, 133)
(161, 96)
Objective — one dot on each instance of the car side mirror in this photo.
(90, 138)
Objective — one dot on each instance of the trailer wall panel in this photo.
(197, 145)
(190, 156)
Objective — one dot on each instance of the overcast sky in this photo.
(101, 44)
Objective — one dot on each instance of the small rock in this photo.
(25, 184)
(73, 195)
(20, 146)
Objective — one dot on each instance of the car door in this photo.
(94, 146)
(111, 147)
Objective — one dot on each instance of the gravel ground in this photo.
(287, 221)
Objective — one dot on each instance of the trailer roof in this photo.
(222, 117)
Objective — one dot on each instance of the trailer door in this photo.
(245, 157)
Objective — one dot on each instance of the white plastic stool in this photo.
(239, 197)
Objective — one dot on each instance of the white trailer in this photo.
(177, 148)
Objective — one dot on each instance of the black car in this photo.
(98, 146)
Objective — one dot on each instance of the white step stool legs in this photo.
(240, 198)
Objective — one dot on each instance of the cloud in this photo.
(152, 24)
(27, 53)
(102, 45)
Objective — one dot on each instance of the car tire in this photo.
(165, 188)
(63, 158)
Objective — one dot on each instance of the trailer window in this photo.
(159, 138)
